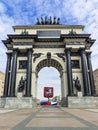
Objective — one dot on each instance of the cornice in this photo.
(63, 36)
(49, 27)
(90, 41)
(20, 36)
(36, 39)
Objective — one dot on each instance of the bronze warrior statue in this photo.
(21, 85)
(77, 84)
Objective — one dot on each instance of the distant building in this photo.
(96, 80)
(1, 83)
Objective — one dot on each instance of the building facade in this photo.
(64, 47)
(2, 75)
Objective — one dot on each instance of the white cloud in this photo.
(26, 12)
(2, 8)
(84, 12)
(6, 23)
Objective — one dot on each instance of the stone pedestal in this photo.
(83, 102)
(2, 102)
(80, 94)
(64, 102)
(14, 102)
(19, 95)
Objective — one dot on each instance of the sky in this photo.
(71, 12)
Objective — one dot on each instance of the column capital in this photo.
(89, 53)
(67, 49)
(30, 49)
(8, 53)
(81, 49)
(15, 49)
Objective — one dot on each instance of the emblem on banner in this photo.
(48, 92)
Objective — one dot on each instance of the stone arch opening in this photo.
(51, 63)
(48, 77)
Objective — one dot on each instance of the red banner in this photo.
(48, 92)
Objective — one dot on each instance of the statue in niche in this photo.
(77, 84)
(21, 85)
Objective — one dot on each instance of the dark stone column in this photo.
(91, 78)
(13, 73)
(84, 72)
(29, 73)
(7, 75)
(69, 72)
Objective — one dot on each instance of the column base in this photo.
(12, 96)
(71, 95)
(4, 96)
(93, 95)
(87, 94)
(27, 96)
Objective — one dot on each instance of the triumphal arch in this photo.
(48, 43)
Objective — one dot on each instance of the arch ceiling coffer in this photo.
(48, 63)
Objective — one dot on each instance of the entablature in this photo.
(70, 40)
(65, 29)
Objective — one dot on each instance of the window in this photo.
(23, 64)
(75, 64)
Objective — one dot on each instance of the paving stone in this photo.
(55, 122)
(49, 118)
